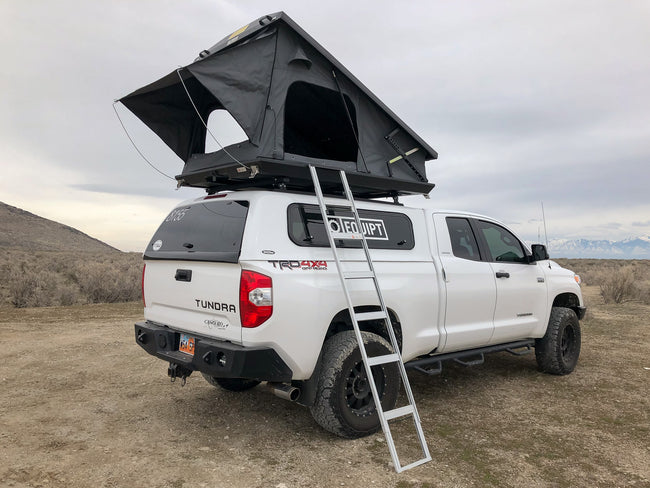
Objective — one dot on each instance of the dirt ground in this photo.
(82, 405)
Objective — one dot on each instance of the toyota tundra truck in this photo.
(242, 287)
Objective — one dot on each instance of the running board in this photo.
(432, 365)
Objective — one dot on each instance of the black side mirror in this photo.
(539, 253)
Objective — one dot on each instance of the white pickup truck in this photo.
(242, 287)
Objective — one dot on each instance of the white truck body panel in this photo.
(443, 302)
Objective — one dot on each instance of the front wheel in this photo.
(231, 384)
(344, 403)
(557, 352)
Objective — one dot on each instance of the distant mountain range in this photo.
(631, 248)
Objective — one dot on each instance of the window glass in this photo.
(463, 242)
(316, 124)
(206, 231)
(383, 230)
(503, 245)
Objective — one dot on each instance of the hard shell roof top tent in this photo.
(296, 104)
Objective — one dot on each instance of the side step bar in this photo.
(433, 364)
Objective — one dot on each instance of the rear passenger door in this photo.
(469, 282)
(521, 289)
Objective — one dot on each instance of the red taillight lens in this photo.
(255, 298)
(144, 303)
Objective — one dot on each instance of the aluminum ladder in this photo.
(409, 408)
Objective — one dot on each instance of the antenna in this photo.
(544, 220)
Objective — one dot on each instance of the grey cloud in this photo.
(524, 104)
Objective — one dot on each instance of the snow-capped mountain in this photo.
(631, 248)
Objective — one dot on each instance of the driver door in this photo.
(521, 288)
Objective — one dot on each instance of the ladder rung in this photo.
(358, 275)
(399, 412)
(370, 316)
(413, 464)
(347, 236)
(388, 358)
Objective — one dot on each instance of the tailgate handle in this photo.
(183, 275)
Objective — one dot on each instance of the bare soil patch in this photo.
(82, 405)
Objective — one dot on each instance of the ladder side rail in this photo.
(389, 326)
(355, 325)
(357, 330)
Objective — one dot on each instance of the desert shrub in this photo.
(618, 285)
(38, 288)
(108, 282)
(65, 278)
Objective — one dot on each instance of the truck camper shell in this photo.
(297, 105)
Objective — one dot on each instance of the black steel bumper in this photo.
(213, 357)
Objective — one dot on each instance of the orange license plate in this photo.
(187, 344)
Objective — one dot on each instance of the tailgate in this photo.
(193, 296)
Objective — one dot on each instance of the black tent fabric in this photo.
(296, 104)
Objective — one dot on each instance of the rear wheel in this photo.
(231, 384)
(344, 403)
(558, 351)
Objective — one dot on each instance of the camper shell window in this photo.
(206, 231)
(316, 124)
(383, 230)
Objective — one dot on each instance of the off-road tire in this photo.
(558, 351)
(344, 404)
(231, 384)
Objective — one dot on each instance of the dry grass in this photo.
(44, 279)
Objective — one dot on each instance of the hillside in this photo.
(28, 232)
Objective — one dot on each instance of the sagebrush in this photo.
(63, 278)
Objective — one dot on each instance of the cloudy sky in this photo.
(525, 101)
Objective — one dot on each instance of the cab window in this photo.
(502, 244)
(463, 241)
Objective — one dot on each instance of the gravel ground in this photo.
(82, 405)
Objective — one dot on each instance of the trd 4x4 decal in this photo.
(304, 265)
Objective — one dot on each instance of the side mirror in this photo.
(539, 253)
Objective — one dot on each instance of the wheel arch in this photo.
(568, 300)
(342, 321)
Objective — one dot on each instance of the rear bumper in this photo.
(213, 357)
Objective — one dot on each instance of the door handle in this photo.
(503, 274)
(183, 275)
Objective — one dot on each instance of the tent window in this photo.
(316, 124)
(225, 129)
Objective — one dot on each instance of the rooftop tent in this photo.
(296, 104)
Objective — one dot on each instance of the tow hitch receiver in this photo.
(177, 371)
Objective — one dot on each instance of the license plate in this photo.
(187, 344)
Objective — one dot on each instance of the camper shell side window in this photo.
(383, 230)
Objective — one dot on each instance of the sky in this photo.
(525, 102)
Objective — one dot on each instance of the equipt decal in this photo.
(373, 229)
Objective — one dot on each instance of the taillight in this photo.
(144, 266)
(255, 298)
